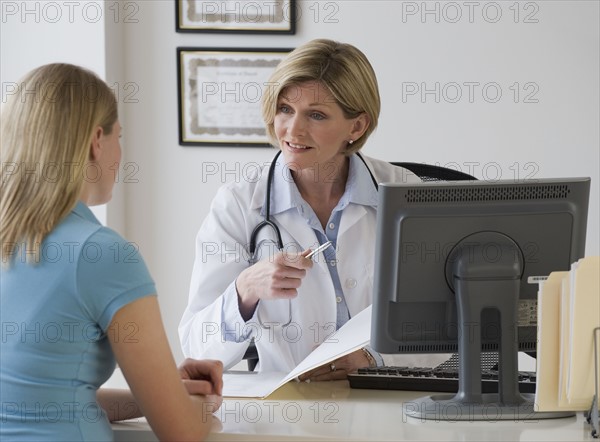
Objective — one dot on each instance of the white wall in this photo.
(35, 33)
(555, 58)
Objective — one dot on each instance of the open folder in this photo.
(353, 335)
(568, 312)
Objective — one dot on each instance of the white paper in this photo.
(353, 335)
(251, 383)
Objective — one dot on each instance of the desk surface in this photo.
(334, 411)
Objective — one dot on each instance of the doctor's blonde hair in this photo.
(47, 127)
(342, 68)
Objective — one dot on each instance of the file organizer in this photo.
(592, 416)
(569, 309)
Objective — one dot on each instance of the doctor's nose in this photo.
(296, 126)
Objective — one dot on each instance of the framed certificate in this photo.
(236, 16)
(220, 92)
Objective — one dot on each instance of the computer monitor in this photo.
(455, 271)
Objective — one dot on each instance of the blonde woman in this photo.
(251, 283)
(75, 295)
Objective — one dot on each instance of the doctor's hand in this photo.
(337, 369)
(203, 377)
(278, 277)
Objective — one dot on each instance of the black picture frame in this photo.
(219, 93)
(244, 17)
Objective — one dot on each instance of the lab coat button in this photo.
(338, 299)
(350, 283)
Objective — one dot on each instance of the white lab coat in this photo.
(221, 254)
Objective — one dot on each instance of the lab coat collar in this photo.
(360, 188)
(284, 193)
(258, 197)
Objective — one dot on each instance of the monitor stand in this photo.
(482, 281)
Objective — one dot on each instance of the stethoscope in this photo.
(268, 223)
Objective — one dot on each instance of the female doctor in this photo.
(322, 107)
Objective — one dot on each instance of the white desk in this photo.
(334, 411)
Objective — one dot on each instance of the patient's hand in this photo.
(204, 378)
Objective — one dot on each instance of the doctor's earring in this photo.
(350, 142)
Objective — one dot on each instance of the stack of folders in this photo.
(568, 313)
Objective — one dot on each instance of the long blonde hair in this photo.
(341, 68)
(47, 128)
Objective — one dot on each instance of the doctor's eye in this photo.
(284, 109)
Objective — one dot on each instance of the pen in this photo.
(319, 249)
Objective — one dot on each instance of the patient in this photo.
(75, 295)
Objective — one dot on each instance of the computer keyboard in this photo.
(429, 379)
(442, 378)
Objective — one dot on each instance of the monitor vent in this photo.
(486, 193)
(427, 348)
(489, 361)
(527, 346)
(487, 347)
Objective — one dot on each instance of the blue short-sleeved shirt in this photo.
(55, 316)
